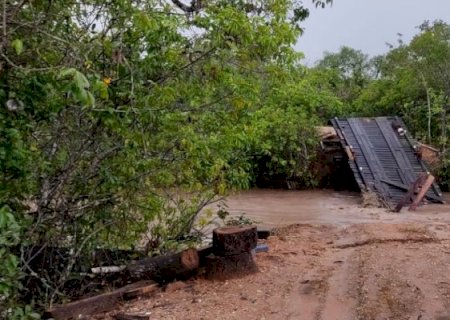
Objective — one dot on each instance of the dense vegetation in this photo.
(121, 120)
(412, 81)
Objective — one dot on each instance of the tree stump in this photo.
(231, 266)
(232, 253)
(234, 240)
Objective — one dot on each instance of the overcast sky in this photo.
(366, 24)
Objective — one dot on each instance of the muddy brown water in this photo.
(275, 207)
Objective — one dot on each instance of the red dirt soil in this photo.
(333, 260)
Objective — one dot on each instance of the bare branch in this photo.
(4, 19)
(12, 64)
(196, 5)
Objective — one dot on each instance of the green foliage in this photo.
(10, 271)
(10, 233)
(411, 81)
(348, 72)
(17, 44)
(128, 119)
(240, 220)
(414, 84)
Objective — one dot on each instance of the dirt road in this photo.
(337, 261)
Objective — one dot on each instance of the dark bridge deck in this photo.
(381, 159)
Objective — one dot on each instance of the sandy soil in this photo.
(333, 260)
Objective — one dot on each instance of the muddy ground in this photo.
(331, 260)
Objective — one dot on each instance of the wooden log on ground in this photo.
(101, 303)
(227, 267)
(123, 316)
(165, 268)
(234, 240)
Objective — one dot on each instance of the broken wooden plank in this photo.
(101, 303)
(423, 191)
(406, 188)
(409, 194)
(396, 184)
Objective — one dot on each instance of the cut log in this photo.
(227, 267)
(165, 268)
(101, 303)
(234, 240)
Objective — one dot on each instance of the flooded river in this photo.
(275, 207)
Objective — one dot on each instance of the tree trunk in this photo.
(427, 90)
(232, 256)
(234, 240)
(231, 266)
(165, 268)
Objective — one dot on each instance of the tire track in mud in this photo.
(323, 291)
(363, 276)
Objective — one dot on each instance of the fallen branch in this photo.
(101, 303)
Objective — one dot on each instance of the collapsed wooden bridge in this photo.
(386, 161)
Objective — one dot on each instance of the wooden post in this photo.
(423, 191)
(411, 192)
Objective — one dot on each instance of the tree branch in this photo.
(196, 5)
